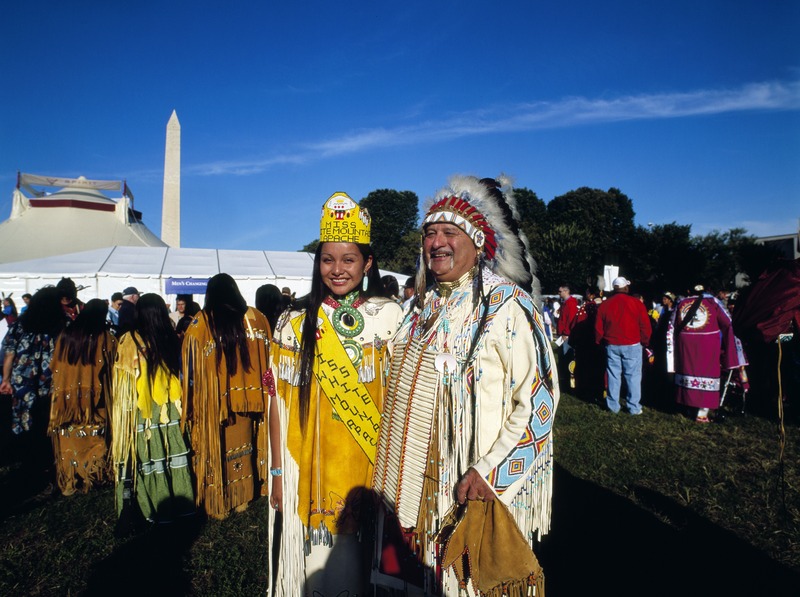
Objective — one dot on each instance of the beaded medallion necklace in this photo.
(346, 319)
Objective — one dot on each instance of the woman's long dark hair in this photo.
(44, 314)
(225, 308)
(311, 303)
(12, 305)
(79, 341)
(160, 343)
(269, 301)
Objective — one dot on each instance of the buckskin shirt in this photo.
(469, 386)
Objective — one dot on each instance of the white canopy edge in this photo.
(108, 270)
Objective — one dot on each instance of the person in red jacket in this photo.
(568, 314)
(623, 327)
(567, 318)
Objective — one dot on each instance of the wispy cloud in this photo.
(521, 117)
(245, 167)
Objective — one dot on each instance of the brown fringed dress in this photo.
(227, 415)
(79, 417)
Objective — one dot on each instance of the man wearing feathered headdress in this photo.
(465, 437)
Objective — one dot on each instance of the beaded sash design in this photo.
(339, 381)
(411, 397)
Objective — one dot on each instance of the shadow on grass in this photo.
(155, 558)
(21, 493)
(27, 472)
(603, 544)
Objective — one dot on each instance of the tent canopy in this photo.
(75, 218)
(111, 269)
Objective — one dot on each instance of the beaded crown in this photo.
(343, 221)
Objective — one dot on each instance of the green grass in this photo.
(727, 473)
(66, 546)
(659, 464)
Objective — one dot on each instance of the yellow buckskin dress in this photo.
(327, 464)
(150, 449)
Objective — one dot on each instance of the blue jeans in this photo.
(624, 361)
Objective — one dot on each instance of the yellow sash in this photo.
(338, 379)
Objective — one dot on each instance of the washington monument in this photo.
(171, 206)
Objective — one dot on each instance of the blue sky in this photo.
(690, 108)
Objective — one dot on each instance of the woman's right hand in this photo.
(276, 495)
(5, 387)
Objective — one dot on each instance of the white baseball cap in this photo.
(620, 282)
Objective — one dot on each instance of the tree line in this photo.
(575, 234)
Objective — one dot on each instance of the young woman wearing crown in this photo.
(328, 373)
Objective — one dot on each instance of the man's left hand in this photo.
(473, 487)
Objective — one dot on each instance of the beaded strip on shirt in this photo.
(412, 396)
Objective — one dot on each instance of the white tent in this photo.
(163, 270)
(102, 244)
(77, 217)
(154, 269)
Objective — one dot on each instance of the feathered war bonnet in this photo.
(486, 210)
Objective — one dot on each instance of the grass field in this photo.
(650, 505)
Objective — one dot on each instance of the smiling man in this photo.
(449, 252)
(471, 394)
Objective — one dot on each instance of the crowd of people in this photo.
(679, 350)
(398, 431)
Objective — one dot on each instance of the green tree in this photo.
(608, 214)
(715, 265)
(723, 255)
(532, 214)
(405, 258)
(310, 247)
(754, 259)
(668, 257)
(394, 218)
(663, 258)
(604, 222)
(560, 254)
